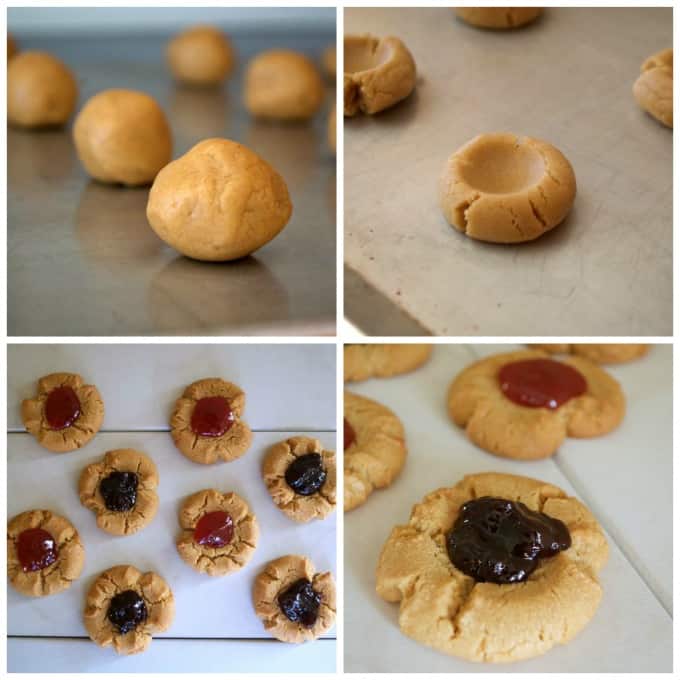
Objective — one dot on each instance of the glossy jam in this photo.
(501, 541)
(36, 549)
(212, 417)
(300, 603)
(306, 474)
(214, 529)
(541, 383)
(119, 491)
(62, 407)
(350, 434)
(126, 611)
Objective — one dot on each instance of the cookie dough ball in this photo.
(379, 73)
(220, 201)
(123, 137)
(332, 125)
(653, 90)
(506, 189)
(329, 61)
(12, 48)
(498, 17)
(283, 85)
(201, 56)
(41, 90)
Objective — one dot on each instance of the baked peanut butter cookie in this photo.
(206, 423)
(125, 607)
(375, 448)
(65, 414)
(294, 603)
(524, 404)
(219, 532)
(382, 361)
(600, 354)
(121, 491)
(301, 478)
(497, 568)
(44, 553)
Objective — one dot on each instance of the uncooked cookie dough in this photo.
(523, 404)
(653, 90)
(506, 189)
(44, 553)
(301, 478)
(125, 607)
(294, 603)
(121, 491)
(200, 56)
(123, 137)
(449, 598)
(498, 17)
(219, 532)
(600, 354)
(283, 85)
(375, 448)
(382, 361)
(206, 423)
(65, 414)
(194, 210)
(41, 90)
(12, 47)
(379, 73)
(329, 61)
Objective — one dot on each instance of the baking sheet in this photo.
(206, 608)
(82, 259)
(566, 79)
(631, 630)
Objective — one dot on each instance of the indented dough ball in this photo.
(283, 85)
(329, 61)
(498, 17)
(220, 201)
(653, 90)
(506, 189)
(200, 56)
(41, 90)
(123, 137)
(12, 48)
(379, 73)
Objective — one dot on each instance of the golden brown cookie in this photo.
(503, 188)
(44, 553)
(379, 73)
(499, 18)
(206, 423)
(201, 55)
(653, 90)
(375, 449)
(382, 361)
(477, 402)
(65, 414)
(300, 477)
(41, 90)
(195, 211)
(125, 607)
(444, 608)
(294, 604)
(121, 491)
(219, 532)
(123, 137)
(283, 85)
(600, 354)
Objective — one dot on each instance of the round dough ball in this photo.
(653, 90)
(329, 61)
(12, 48)
(283, 85)
(220, 201)
(201, 56)
(41, 90)
(498, 17)
(123, 137)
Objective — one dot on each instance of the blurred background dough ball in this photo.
(329, 61)
(283, 85)
(332, 129)
(41, 90)
(123, 137)
(201, 55)
(12, 48)
(499, 18)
